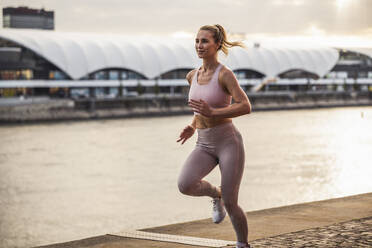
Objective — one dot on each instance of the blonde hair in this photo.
(219, 36)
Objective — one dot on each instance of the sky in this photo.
(336, 20)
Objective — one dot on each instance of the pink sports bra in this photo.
(212, 92)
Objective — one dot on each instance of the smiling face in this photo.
(205, 45)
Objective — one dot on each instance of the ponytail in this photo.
(220, 37)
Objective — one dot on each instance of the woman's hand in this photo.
(201, 107)
(187, 132)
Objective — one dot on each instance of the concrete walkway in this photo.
(340, 222)
(354, 233)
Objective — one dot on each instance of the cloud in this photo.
(274, 17)
(289, 2)
(314, 31)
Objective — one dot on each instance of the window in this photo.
(298, 73)
(57, 75)
(113, 75)
(247, 74)
(101, 75)
(175, 74)
(124, 75)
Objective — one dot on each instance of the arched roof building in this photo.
(79, 54)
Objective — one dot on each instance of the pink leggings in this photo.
(223, 145)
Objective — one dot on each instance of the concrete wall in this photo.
(56, 110)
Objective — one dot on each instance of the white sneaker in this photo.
(219, 212)
(242, 245)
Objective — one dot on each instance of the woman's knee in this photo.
(185, 187)
(230, 204)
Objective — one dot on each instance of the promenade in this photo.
(23, 110)
(339, 222)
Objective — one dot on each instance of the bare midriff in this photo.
(208, 122)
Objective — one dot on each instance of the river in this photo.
(72, 180)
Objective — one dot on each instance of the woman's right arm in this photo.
(189, 77)
(189, 130)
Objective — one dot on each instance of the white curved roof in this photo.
(79, 54)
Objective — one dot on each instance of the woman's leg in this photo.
(197, 165)
(231, 157)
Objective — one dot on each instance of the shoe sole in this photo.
(218, 222)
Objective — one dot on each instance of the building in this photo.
(23, 17)
(41, 62)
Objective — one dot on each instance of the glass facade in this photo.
(292, 74)
(20, 63)
(114, 74)
(57, 75)
(100, 75)
(248, 74)
(353, 64)
(175, 74)
(16, 74)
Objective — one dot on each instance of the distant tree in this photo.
(140, 89)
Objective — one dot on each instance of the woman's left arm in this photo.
(241, 105)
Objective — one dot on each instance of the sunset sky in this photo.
(336, 20)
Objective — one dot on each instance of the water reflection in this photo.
(74, 180)
(351, 149)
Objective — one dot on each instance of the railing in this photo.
(167, 82)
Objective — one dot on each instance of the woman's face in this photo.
(205, 45)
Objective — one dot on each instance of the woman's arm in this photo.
(189, 76)
(189, 130)
(241, 105)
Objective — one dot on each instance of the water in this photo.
(72, 180)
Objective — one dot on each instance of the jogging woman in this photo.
(212, 86)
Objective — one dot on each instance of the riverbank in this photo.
(338, 222)
(33, 110)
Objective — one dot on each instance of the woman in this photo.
(212, 87)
